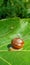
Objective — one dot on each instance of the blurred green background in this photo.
(14, 8)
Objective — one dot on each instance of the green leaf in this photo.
(10, 28)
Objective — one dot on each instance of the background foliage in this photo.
(13, 8)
